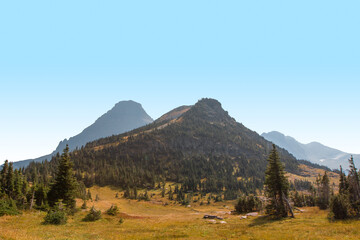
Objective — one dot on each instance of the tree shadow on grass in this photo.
(263, 220)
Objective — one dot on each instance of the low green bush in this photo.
(113, 210)
(55, 217)
(247, 204)
(8, 207)
(93, 215)
(339, 207)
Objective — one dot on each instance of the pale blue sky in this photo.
(291, 66)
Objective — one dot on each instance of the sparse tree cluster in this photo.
(15, 193)
(248, 204)
(346, 203)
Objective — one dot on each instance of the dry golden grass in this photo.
(310, 174)
(154, 220)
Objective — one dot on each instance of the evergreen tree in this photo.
(135, 193)
(18, 183)
(171, 194)
(3, 174)
(163, 192)
(354, 184)
(343, 183)
(127, 192)
(247, 204)
(324, 192)
(146, 196)
(298, 199)
(40, 194)
(89, 195)
(277, 186)
(340, 206)
(10, 180)
(347, 203)
(65, 184)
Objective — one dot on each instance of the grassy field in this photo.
(154, 220)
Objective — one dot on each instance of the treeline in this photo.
(195, 174)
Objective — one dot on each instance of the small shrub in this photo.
(218, 198)
(83, 206)
(93, 215)
(144, 197)
(121, 220)
(339, 207)
(113, 210)
(247, 204)
(185, 202)
(43, 207)
(55, 217)
(8, 207)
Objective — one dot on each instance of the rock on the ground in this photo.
(253, 214)
(212, 217)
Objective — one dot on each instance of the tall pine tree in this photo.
(10, 181)
(354, 186)
(3, 175)
(65, 183)
(276, 186)
(324, 192)
(343, 183)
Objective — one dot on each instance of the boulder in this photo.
(253, 214)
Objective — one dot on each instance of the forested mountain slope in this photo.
(203, 148)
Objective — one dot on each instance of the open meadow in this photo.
(156, 220)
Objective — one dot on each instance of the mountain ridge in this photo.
(314, 152)
(203, 147)
(123, 117)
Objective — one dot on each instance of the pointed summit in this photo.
(123, 117)
(209, 110)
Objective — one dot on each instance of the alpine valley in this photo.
(193, 173)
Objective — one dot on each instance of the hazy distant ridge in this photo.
(314, 152)
(123, 117)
